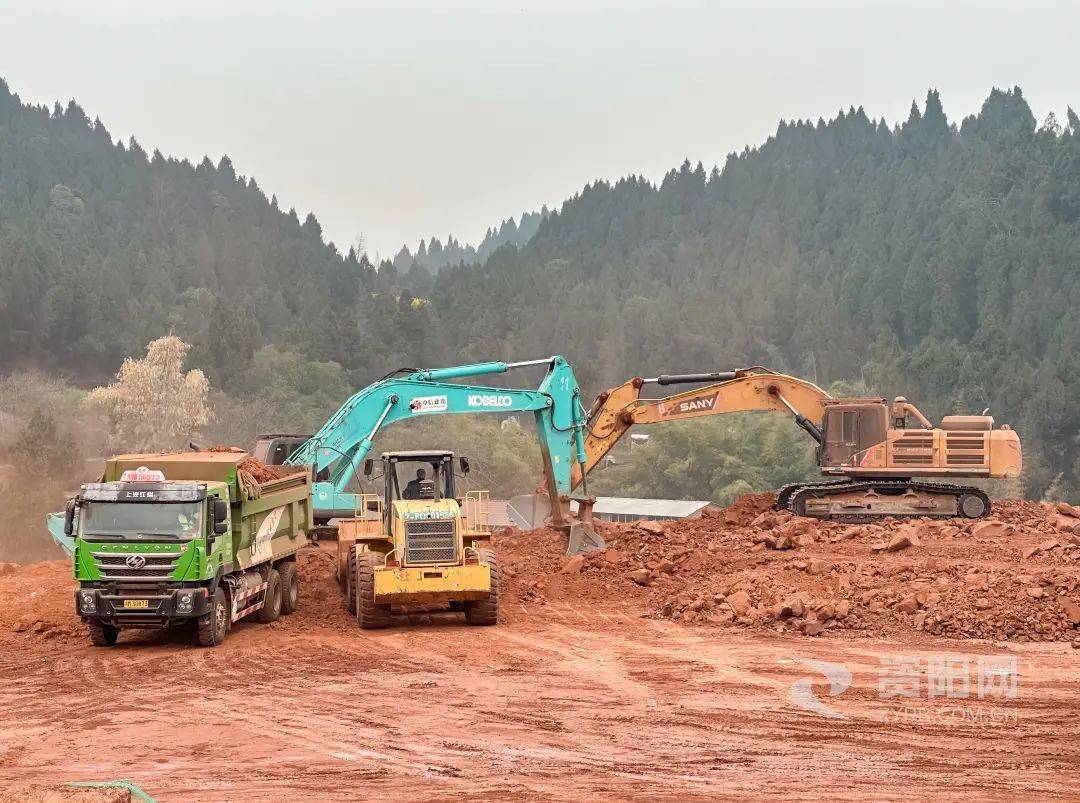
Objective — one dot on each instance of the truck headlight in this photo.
(87, 603)
(184, 600)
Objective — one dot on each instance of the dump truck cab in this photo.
(145, 548)
(418, 544)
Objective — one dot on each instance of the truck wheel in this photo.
(370, 615)
(290, 587)
(101, 634)
(271, 607)
(485, 611)
(350, 582)
(214, 626)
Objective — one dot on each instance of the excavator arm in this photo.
(615, 411)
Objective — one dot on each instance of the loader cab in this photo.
(850, 427)
(400, 475)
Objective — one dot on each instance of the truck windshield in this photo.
(140, 520)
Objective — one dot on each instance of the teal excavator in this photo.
(339, 450)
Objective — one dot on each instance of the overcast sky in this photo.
(402, 120)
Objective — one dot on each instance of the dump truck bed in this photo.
(244, 475)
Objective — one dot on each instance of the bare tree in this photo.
(154, 404)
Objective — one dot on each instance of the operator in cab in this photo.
(412, 488)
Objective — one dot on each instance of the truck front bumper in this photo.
(155, 608)
(432, 584)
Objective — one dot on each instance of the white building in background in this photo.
(626, 508)
(518, 512)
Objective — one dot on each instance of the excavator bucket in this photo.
(530, 511)
(583, 538)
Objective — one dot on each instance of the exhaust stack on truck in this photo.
(170, 539)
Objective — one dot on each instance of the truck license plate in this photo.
(136, 603)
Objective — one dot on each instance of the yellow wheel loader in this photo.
(418, 545)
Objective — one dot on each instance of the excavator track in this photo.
(785, 492)
(866, 501)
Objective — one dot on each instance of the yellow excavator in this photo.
(886, 456)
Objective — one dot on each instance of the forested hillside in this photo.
(104, 247)
(933, 258)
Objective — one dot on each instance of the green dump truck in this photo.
(191, 537)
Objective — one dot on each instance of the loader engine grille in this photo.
(430, 542)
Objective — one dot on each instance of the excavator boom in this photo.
(617, 410)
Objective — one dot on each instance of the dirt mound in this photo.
(1015, 576)
(534, 570)
(321, 601)
(39, 601)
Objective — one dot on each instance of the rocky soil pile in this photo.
(259, 472)
(39, 601)
(1014, 576)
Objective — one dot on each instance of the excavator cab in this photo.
(274, 449)
(850, 427)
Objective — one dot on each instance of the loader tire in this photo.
(369, 614)
(485, 611)
(350, 582)
(290, 587)
(212, 628)
(271, 607)
(101, 634)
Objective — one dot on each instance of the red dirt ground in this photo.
(662, 669)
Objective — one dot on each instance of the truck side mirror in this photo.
(464, 463)
(69, 517)
(221, 527)
(369, 466)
